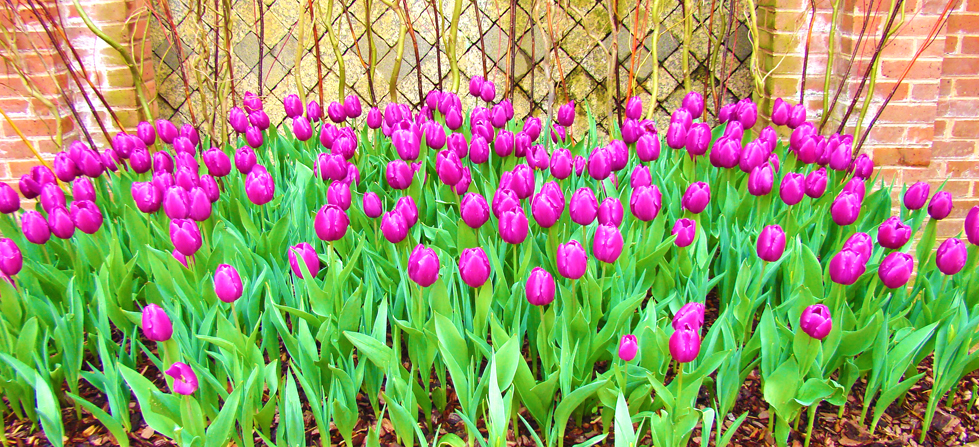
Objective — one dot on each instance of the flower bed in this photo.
(525, 275)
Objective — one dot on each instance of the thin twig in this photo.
(414, 43)
(180, 55)
(805, 57)
(846, 73)
(316, 46)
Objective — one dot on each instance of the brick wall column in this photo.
(37, 90)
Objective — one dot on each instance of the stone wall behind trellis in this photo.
(583, 30)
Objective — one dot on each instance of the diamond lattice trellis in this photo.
(583, 30)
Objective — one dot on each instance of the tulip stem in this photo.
(812, 420)
(679, 387)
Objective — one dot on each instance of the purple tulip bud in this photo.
(186, 178)
(252, 102)
(685, 344)
(895, 270)
(572, 260)
(694, 103)
(747, 113)
(301, 128)
(893, 233)
(9, 200)
(140, 160)
(754, 154)
(488, 91)
(398, 174)
(845, 209)
(676, 135)
(863, 167)
(245, 159)
(696, 198)
(628, 347)
(600, 163)
(258, 119)
(156, 324)
(579, 165)
(434, 135)
(640, 177)
(393, 227)
(846, 267)
(423, 266)
(52, 197)
(631, 131)
(474, 210)
(186, 236)
(407, 144)
(856, 187)
(372, 205)
(210, 187)
(338, 194)
(771, 243)
(972, 225)
(304, 252)
(498, 116)
(916, 196)
(253, 136)
(691, 314)
(408, 210)
(476, 86)
(34, 227)
(313, 111)
(797, 116)
(86, 215)
(607, 243)
(566, 114)
(163, 181)
(146, 133)
(725, 153)
(448, 167)
(238, 120)
(64, 167)
(800, 135)
(816, 321)
(166, 130)
(584, 206)
(546, 208)
(521, 144)
(176, 203)
(685, 231)
(89, 162)
(503, 144)
(293, 106)
(793, 188)
(331, 223)
(227, 283)
(540, 287)
(725, 113)
(861, 244)
(816, 183)
(698, 139)
(478, 150)
(259, 186)
(11, 259)
(761, 180)
(633, 108)
(841, 156)
(682, 116)
(432, 99)
(374, 118)
(513, 225)
(618, 155)
(561, 163)
(147, 196)
(610, 212)
(474, 267)
(780, 112)
(646, 202)
(951, 256)
(940, 205)
(558, 134)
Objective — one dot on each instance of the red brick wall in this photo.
(33, 74)
(929, 130)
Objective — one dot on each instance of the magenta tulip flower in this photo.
(60, 223)
(540, 287)
(951, 256)
(648, 147)
(305, 253)
(628, 347)
(761, 180)
(583, 207)
(816, 183)
(406, 207)
(895, 270)
(186, 236)
(514, 226)
(793, 188)
(696, 198)
(846, 267)
(845, 209)
(940, 205)
(184, 379)
(156, 324)
(691, 314)
(423, 266)
(86, 216)
(972, 226)
(893, 233)
(565, 114)
(572, 260)
(259, 186)
(917, 196)
(646, 202)
(607, 243)
(474, 267)
(685, 344)
(861, 243)
(331, 223)
(227, 283)
(685, 231)
(11, 259)
(816, 321)
(9, 200)
(771, 243)
(610, 212)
